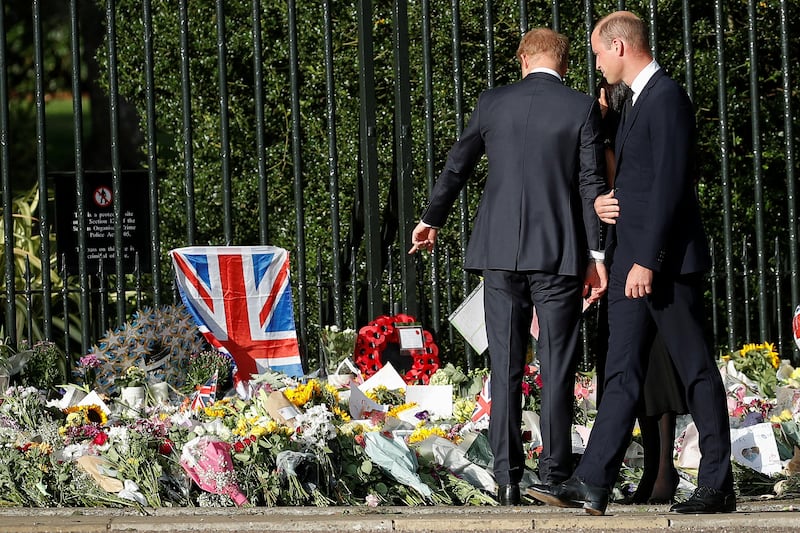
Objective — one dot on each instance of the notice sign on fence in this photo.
(99, 200)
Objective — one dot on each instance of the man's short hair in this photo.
(626, 26)
(545, 41)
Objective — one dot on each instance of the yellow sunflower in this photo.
(85, 414)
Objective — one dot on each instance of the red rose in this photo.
(100, 439)
(166, 447)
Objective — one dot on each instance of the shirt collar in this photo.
(547, 71)
(642, 78)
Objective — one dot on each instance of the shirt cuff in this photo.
(597, 256)
(428, 225)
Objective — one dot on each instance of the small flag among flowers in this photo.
(483, 401)
(205, 394)
(796, 326)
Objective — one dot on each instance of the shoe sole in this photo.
(549, 499)
(592, 511)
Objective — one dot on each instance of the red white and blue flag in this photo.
(483, 401)
(241, 299)
(796, 326)
(206, 394)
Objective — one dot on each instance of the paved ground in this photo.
(754, 515)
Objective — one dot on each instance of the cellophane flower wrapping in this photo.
(396, 459)
(208, 462)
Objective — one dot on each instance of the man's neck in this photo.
(635, 67)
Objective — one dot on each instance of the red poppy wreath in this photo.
(379, 342)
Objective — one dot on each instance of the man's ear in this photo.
(619, 47)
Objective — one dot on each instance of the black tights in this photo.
(660, 478)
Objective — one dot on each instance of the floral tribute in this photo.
(382, 333)
(311, 442)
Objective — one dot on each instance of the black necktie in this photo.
(626, 108)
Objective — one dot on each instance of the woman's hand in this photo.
(607, 207)
(603, 102)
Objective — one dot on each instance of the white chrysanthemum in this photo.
(119, 437)
(314, 427)
(72, 452)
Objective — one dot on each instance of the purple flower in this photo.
(751, 419)
(90, 361)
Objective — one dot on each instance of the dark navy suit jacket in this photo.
(546, 166)
(659, 226)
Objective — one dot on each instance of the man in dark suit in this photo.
(655, 281)
(531, 241)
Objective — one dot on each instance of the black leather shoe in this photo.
(572, 493)
(508, 494)
(706, 500)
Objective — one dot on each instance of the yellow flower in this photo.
(333, 391)
(422, 433)
(45, 448)
(771, 354)
(242, 427)
(303, 393)
(74, 419)
(394, 411)
(343, 415)
(746, 348)
(795, 374)
(785, 416)
(85, 414)
(93, 413)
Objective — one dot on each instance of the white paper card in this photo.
(411, 337)
(386, 376)
(470, 321)
(436, 399)
(359, 404)
(755, 447)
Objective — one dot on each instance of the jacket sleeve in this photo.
(592, 181)
(461, 161)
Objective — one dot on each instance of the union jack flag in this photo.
(206, 394)
(241, 299)
(484, 401)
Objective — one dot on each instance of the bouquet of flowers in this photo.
(134, 376)
(202, 366)
(758, 362)
(337, 344)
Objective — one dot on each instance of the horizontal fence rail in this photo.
(255, 122)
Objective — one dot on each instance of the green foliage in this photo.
(45, 367)
(26, 251)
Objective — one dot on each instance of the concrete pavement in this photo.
(753, 515)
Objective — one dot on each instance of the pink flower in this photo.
(90, 361)
(372, 500)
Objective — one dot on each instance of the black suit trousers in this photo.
(675, 307)
(508, 300)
